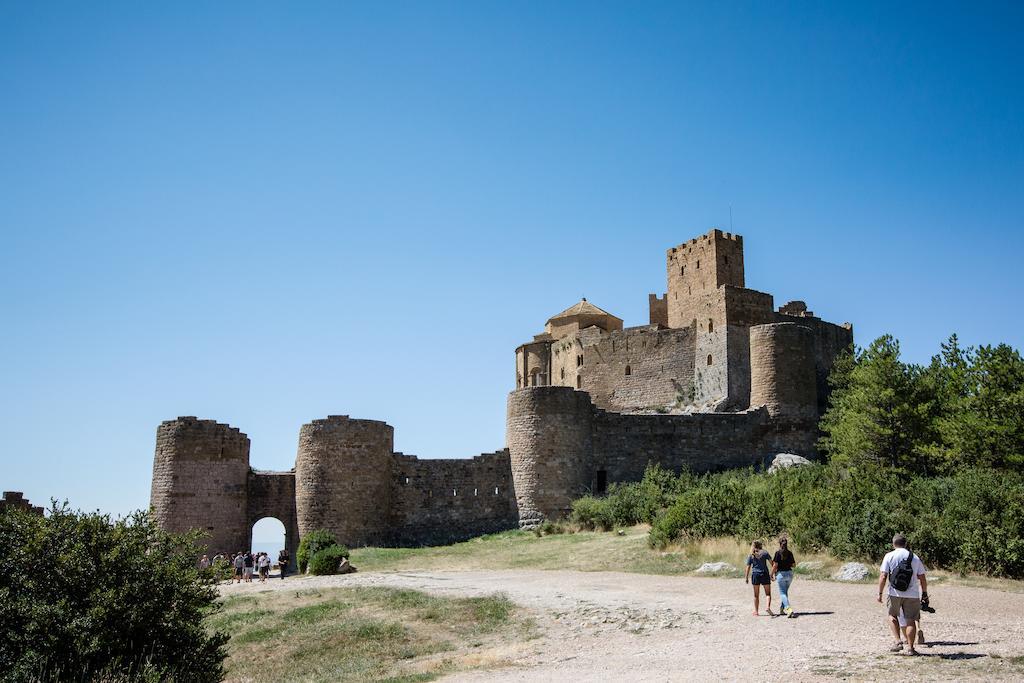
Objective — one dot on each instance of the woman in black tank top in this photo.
(782, 571)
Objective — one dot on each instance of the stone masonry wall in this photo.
(743, 309)
(549, 432)
(443, 501)
(699, 267)
(783, 381)
(272, 494)
(829, 341)
(702, 442)
(639, 368)
(658, 309)
(343, 479)
(562, 446)
(200, 481)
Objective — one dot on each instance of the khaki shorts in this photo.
(911, 607)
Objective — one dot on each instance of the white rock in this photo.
(852, 571)
(715, 568)
(784, 460)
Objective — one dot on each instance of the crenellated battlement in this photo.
(712, 234)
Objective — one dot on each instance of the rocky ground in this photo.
(608, 626)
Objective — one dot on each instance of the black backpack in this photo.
(904, 574)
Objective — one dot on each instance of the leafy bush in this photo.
(325, 560)
(971, 521)
(85, 597)
(714, 507)
(310, 543)
(592, 513)
(630, 503)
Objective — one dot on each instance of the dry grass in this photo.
(363, 634)
(625, 550)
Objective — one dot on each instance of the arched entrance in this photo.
(271, 507)
(269, 536)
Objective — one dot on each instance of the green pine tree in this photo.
(878, 413)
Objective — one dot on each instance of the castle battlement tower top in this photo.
(698, 267)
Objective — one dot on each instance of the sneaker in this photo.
(896, 647)
(789, 611)
(791, 615)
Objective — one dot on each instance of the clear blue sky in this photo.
(265, 213)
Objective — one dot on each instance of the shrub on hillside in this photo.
(325, 560)
(630, 503)
(84, 597)
(310, 543)
(971, 521)
(981, 524)
(592, 513)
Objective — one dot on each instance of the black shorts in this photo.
(761, 579)
(238, 571)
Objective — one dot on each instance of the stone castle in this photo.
(718, 379)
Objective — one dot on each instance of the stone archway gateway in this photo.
(272, 494)
(202, 480)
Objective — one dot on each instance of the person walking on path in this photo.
(239, 562)
(282, 560)
(758, 575)
(247, 562)
(264, 567)
(782, 572)
(905, 573)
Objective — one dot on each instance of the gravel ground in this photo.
(606, 626)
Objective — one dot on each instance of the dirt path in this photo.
(611, 626)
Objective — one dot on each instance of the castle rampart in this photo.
(563, 446)
(347, 479)
(441, 501)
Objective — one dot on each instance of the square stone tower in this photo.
(700, 267)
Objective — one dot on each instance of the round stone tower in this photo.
(343, 479)
(782, 372)
(200, 479)
(549, 433)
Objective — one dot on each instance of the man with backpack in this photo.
(907, 588)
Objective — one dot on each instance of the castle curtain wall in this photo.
(443, 501)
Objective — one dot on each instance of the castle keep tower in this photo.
(200, 481)
(700, 267)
